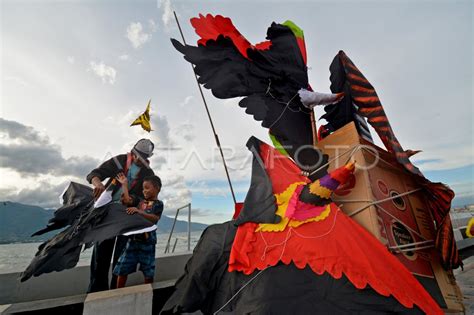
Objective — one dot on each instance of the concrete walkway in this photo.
(465, 280)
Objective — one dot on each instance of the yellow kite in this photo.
(144, 119)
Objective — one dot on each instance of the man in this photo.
(135, 166)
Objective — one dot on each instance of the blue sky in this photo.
(75, 74)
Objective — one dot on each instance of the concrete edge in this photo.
(45, 304)
(4, 307)
(142, 288)
(84, 298)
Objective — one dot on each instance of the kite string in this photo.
(258, 274)
(284, 243)
(283, 111)
(374, 202)
(288, 235)
(321, 235)
(236, 293)
(287, 104)
(337, 157)
(292, 230)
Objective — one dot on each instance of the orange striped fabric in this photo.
(439, 196)
(368, 102)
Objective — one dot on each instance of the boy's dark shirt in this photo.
(157, 209)
(111, 168)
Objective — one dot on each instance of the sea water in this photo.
(16, 257)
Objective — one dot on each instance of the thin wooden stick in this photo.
(216, 137)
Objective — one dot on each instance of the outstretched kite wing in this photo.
(267, 76)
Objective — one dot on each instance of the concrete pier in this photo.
(74, 282)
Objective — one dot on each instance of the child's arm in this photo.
(125, 199)
(150, 217)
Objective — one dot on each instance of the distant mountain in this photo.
(165, 224)
(461, 201)
(18, 221)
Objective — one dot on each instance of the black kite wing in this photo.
(267, 76)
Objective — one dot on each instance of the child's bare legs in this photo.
(121, 280)
(148, 280)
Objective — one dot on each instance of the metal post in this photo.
(189, 227)
(171, 232)
(174, 246)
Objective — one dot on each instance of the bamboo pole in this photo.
(216, 137)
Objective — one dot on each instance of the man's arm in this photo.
(107, 169)
(98, 187)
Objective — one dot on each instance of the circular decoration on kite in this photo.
(399, 202)
(402, 236)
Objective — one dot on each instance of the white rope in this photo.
(243, 287)
(415, 249)
(287, 104)
(352, 200)
(410, 244)
(322, 235)
(292, 230)
(335, 158)
(288, 236)
(376, 202)
(398, 220)
(283, 111)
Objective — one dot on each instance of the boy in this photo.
(136, 167)
(140, 248)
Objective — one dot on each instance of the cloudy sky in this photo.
(74, 74)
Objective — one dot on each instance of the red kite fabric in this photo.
(209, 27)
(334, 243)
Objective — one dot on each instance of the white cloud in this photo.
(106, 73)
(439, 157)
(186, 100)
(30, 153)
(44, 194)
(124, 57)
(463, 189)
(167, 9)
(161, 131)
(71, 59)
(136, 35)
(186, 131)
(175, 192)
(203, 187)
(16, 80)
(152, 25)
